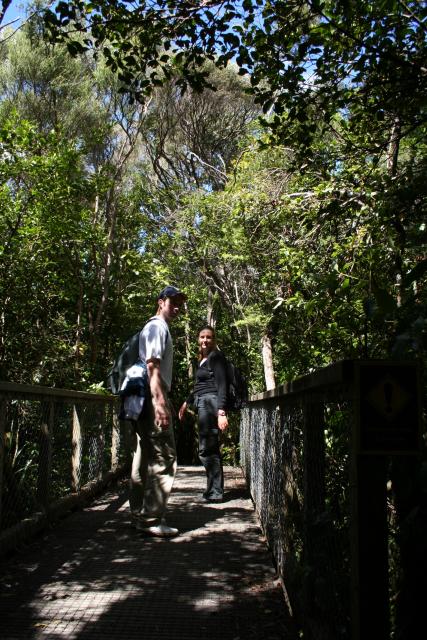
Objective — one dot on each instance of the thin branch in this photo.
(4, 26)
(297, 194)
(23, 21)
(206, 164)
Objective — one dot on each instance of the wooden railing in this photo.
(57, 449)
(327, 458)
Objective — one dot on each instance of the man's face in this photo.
(170, 307)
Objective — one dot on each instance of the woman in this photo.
(209, 397)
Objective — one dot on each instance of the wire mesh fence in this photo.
(311, 486)
(299, 488)
(54, 445)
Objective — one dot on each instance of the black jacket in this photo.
(211, 377)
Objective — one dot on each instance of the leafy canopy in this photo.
(305, 57)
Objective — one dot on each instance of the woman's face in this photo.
(206, 341)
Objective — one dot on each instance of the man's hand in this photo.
(162, 417)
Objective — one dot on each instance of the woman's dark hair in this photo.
(206, 327)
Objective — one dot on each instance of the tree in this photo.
(361, 57)
(308, 259)
(356, 71)
(283, 239)
(67, 149)
(4, 7)
(191, 140)
(44, 220)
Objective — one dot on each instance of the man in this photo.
(154, 459)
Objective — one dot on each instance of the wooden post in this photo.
(3, 407)
(115, 439)
(387, 423)
(314, 506)
(45, 458)
(101, 442)
(369, 557)
(76, 454)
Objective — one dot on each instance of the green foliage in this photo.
(309, 234)
(20, 462)
(302, 254)
(309, 61)
(74, 278)
(44, 220)
(140, 161)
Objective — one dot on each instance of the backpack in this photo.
(237, 388)
(128, 356)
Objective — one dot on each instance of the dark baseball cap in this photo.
(171, 292)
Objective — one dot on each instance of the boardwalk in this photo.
(93, 576)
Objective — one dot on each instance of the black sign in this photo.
(389, 408)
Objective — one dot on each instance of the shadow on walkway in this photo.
(93, 576)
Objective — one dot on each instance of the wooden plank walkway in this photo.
(93, 576)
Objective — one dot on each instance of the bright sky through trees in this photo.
(15, 11)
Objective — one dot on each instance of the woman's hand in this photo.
(222, 423)
(182, 411)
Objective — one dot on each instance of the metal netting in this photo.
(52, 447)
(295, 454)
(20, 461)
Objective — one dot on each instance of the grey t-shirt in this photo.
(155, 341)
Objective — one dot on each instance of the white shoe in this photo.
(159, 530)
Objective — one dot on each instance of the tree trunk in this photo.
(210, 313)
(188, 357)
(79, 328)
(392, 159)
(267, 359)
(393, 147)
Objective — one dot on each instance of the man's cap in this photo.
(171, 292)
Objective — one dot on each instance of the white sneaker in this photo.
(159, 530)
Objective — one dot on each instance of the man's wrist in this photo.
(221, 412)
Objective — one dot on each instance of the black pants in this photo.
(209, 452)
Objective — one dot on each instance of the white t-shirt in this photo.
(155, 341)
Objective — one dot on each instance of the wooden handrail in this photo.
(37, 392)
